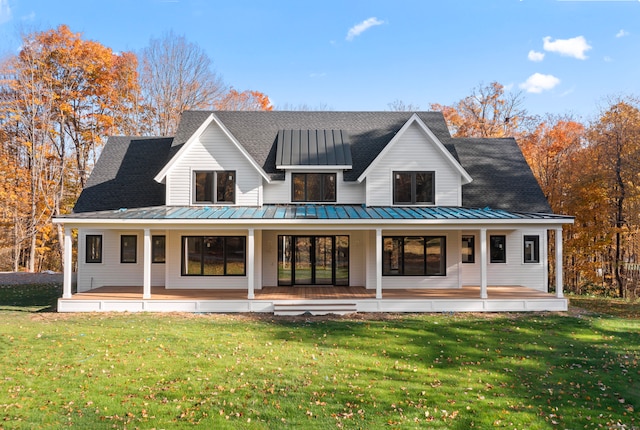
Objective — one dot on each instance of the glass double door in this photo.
(313, 260)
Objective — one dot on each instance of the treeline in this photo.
(589, 170)
(60, 97)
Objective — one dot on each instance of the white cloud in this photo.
(317, 75)
(5, 11)
(535, 56)
(538, 83)
(29, 17)
(358, 29)
(574, 47)
(622, 33)
(608, 59)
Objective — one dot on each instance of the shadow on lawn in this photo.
(564, 370)
(30, 297)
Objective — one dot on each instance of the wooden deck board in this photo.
(310, 293)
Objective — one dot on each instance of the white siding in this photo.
(213, 151)
(110, 272)
(279, 192)
(413, 151)
(515, 271)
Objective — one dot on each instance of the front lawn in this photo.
(553, 370)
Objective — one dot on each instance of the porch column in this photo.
(378, 263)
(67, 264)
(483, 263)
(250, 264)
(559, 281)
(146, 280)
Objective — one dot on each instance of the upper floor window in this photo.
(214, 187)
(313, 187)
(413, 188)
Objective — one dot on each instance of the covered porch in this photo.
(314, 300)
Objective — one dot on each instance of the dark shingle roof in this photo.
(501, 176)
(123, 175)
(369, 132)
(313, 148)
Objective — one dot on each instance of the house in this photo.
(312, 211)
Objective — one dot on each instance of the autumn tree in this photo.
(246, 100)
(615, 139)
(488, 112)
(176, 75)
(61, 96)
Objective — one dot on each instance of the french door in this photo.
(313, 260)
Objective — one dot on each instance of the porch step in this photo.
(313, 308)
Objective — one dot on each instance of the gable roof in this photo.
(415, 119)
(211, 118)
(369, 132)
(123, 175)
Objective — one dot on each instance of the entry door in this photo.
(313, 260)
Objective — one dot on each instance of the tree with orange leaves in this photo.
(246, 100)
(61, 95)
(487, 112)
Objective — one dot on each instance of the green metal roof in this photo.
(309, 211)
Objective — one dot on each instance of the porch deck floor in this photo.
(310, 293)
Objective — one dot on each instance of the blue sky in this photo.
(565, 56)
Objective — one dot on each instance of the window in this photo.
(213, 255)
(498, 249)
(468, 249)
(414, 256)
(128, 248)
(413, 188)
(214, 187)
(158, 244)
(532, 249)
(313, 187)
(94, 248)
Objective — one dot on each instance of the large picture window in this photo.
(213, 255)
(93, 250)
(413, 188)
(214, 187)
(498, 249)
(532, 249)
(414, 256)
(128, 248)
(313, 187)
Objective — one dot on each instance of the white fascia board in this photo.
(211, 118)
(167, 167)
(241, 149)
(315, 167)
(466, 178)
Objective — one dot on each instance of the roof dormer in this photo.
(313, 149)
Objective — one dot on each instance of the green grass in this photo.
(536, 371)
